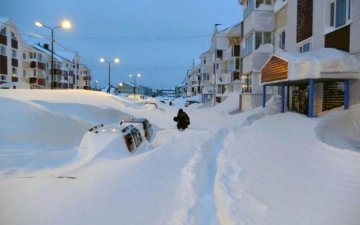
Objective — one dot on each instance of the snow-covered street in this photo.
(257, 167)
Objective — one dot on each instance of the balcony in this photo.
(59, 85)
(37, 81)
(259, 20)
(37, 65)
(14, 79)
(256, 60)
(206, 69)
(3, 40)
(87, 78)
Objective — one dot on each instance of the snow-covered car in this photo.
(130, 134)
(190, 102)
(146, 126)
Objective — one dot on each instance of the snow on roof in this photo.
(4, 20)
(322, 63)
(69, 56)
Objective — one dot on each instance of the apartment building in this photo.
(217, 72)
(28, 65)
(257, 47)
(317, 55)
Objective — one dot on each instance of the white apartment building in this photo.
(257, 47)
(218, 72)
(28, 65)
(316, 65)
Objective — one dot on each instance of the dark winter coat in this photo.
(182, 119)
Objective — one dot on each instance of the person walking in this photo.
(182, 119)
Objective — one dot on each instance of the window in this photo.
(249, 44)
(246, 81)
(34, 73)
(32, 55)
(24, 73)
(204, 60)
(39, 57)
(340, 12)
(129, 142)
(262, 38)
(235, 51)
(2, 50)
(14, 54)
(14, 72)
(305, 47)
(24, 56)
(280, 39)
(252, 3)
(219, 54)
(3, 31)
(13, 37)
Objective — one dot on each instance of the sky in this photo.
(158, 39)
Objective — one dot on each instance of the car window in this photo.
(137, 136)
(129, 142)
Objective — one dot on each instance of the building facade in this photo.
(316, 63)
(28, 65)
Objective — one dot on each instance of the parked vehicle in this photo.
(132, 133)
(190, 102)
(147, 127)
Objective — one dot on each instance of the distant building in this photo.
(217, 72)
(28, 65)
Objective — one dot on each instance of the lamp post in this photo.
(96, 84)
(64, 24)
(116, 60)
(134, 77)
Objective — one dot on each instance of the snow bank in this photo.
(341, 129)
(285, 176)
(255, 167)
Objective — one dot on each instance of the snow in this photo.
(321, 63)
(256, 167)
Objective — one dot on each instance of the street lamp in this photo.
(96, 84)
(116, 60)
(64, 24)
(134, 77)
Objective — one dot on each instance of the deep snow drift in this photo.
(258, 167)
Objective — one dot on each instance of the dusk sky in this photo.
(157, 38)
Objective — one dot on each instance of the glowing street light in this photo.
(116, 60)
(65, 25)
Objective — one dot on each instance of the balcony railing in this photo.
(37, 81)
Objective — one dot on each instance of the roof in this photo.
(321, 63)
(4, 20)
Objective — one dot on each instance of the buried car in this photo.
(131, 133)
